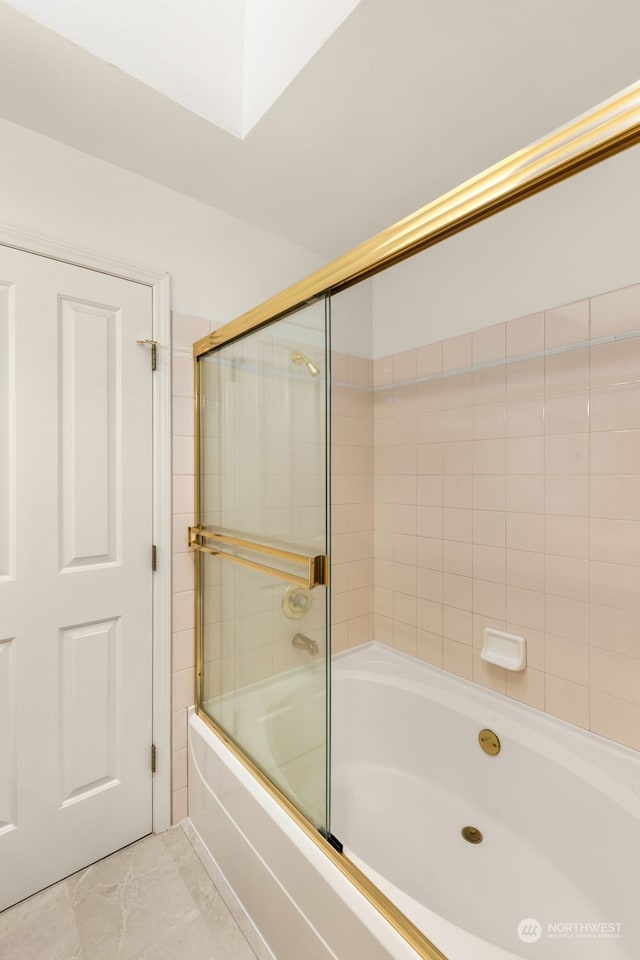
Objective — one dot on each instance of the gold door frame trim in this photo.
(605, 130)
(401, 924)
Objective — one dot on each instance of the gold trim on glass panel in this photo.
(317, 566)
(601, 132)
(407, 930)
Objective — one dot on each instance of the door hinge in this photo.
(154, 558)
(154, 351)
(153, 758)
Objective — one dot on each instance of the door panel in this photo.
(75, 571)
(263, 513)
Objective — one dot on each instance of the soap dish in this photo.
(504, 649)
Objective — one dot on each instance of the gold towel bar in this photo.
(317, 568)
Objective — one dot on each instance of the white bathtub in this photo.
(559, 810)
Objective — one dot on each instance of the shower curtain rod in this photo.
(599, 133)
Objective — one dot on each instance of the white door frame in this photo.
(160, 284)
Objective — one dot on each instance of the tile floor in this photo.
(153, 900)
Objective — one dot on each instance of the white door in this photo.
(75, 569)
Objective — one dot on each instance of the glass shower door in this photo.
(262, 550)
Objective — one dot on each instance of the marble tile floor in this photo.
(153, 900)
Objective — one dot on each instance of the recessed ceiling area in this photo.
(405, 100)
(225, 60)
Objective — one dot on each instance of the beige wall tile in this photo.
(567, 700)
(489, 492)
(457, 457)
(489, 385)
(567, 536)
(525, 569)
(429, 616)
(615, 498)
(404, 366)
(489, 527)
(457, 491)
(489, 420)
(179, 805)
(489, 599)
(456, 352)
(615, 675)
(615, 718)
(525, 455)
(615, 452)
(527, 687)
(457, 591)
(429, 552)
(567, 577)
(614, 585)
(525, 607)
(615, 312)
(615, 630)
(429, 647)
(458, 658)
(489, 344)
(567, 618)
(567, 495)
(457, 524)
(525, 378)
(457, 625)
(525, 532)
(567, 324)
(567, 413)
(429, 360)
(525, 335)
(457, 558)
(489, 563)
(616, 362)
(525, 418)
(566, 372)
(615, 408)
(567, 659)
(525, 494)
(457, 424)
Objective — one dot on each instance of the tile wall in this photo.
(352, 501)
(492, 479)
(507, 494)
(186, 329)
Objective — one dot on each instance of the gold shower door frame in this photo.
(602, 132)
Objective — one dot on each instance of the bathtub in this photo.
(559, 810)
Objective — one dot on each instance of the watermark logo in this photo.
(529, 930)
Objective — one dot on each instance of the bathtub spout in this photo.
(301, 642)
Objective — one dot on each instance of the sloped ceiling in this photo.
(405, 100)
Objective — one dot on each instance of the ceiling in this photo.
(226, 60)
(405, 100)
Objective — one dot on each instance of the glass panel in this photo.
(263, 481)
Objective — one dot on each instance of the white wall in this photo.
(351, 326)
(220, 266)
(579, 238)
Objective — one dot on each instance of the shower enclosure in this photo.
(263, 619)
(261, 543)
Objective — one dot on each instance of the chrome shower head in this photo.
(297, 357)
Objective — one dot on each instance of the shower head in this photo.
(297, 357)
